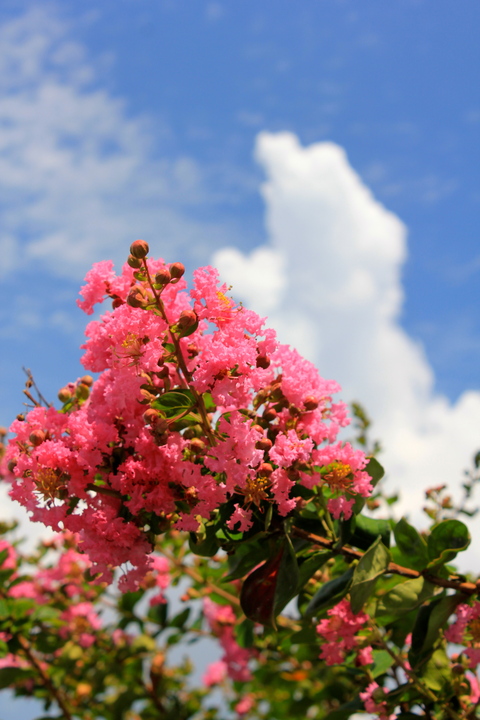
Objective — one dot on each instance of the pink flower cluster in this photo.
(339, 631)
(373, 699)
(234, 662)
(115, 462)
(466, 631)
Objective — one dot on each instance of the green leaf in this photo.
(345, 711)
(174, 403)
(244, 633)
(367, 530)
(405, 596)
(204, 543)
(246, 557)
(411, 545)
(287, 582)
(309, 567)
(445, 541)
(180, 619)
(437, 672)
(329, 594)
(382, 661)
(426, 631)
(376, 472)
(10, 676)
(371, 566)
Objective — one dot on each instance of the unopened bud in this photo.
(263, 361)
(264, 444)
(21, 417)
(163, 276)
(197, 446)
(136, 298)
(134, 262)
(37, 437)
(151, 416)
(310, 403)
(187, 319)
(82, 392)
(265, 470)
(87, 380)
(64, 395)
(378, 695)
(139, 249)
(11, 465)
(192, 350)
(177, 270)
(116, 302)
(270, 414)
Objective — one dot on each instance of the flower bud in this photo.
(265, 470)
(21, 417)
(139, 249)
(192, 350)
(134, 262)
(136, 298)
(257, 428)
(11, 465)
(87, 380)
(64, 395)
(264, 444)
(151, 416)
(310, 403)
(197, 446)
(177, 270)
(263, 361)
(116, 302)
(187, 319)
(82, 392)
(270, 414)
(163, 276)
(37, 437)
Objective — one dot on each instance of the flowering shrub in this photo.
(205, 450)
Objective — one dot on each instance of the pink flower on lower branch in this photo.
(339, 630)
(466, 631)
(221, 619)
(373, 699)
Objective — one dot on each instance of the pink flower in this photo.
(245, 705)
(466, 631)
(373, 699)
(215, 673)
(339, 631)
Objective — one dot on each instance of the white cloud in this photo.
(338, 299)
(77, 178)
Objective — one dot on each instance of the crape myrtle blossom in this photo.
(339, 631)
(221, 620)
(466, 631)
(196, 405)
(373, 699)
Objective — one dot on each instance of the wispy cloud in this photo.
(78, 178)
(336, 256)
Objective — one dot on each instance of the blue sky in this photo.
(166, 119)
(136, 118)
(395, 84)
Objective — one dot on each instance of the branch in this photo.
(468, 588)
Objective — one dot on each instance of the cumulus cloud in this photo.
(78, 175)
(334, 258)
